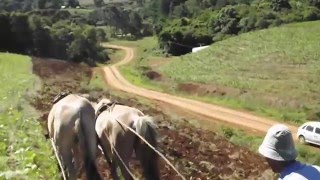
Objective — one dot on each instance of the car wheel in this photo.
(302, 140)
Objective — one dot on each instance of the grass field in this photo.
(24, 152)
(274, 71)
(278, 69)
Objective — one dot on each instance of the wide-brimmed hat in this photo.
(278, 144)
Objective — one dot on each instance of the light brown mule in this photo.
(112, 134)
(71, 124)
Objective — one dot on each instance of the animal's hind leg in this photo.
(106, 148)
(125, 159)
(67, 159)
(77, 159)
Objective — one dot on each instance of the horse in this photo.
(71, 125)
(115, 137)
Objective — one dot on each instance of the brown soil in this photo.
(153, 75)
(198, 154)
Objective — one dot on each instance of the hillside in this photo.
(272, 71)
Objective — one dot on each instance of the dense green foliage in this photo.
(51, 35)
(183, 24)
(125, 21)
(28, 5)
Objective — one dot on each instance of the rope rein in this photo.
(153, 148)
(117, 154)
(57, 156)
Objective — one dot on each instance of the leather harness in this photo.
(60, 96)
(107, 107)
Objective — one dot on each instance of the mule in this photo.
(112, 135)
(71, 125)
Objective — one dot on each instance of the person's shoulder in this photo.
(301, 172)
(317, 167)
(293, 175)
(311, 172)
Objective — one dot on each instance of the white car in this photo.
(309, 132)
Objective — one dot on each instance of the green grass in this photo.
(95, 83)
(281, 63)
(279, 68)
(263, 63)
(115, 55)
(74, 11)
(24, 152)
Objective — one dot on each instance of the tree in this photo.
(6, 43)
(101, 35)
(40, 36)
(180, 11)
(278, 5)
(21, 31)
(226, 21)
(98, 3)
(135, 23)
(165, 7)
(42, 4)
(315, 3)
(73, 3)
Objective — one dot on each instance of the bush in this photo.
(262, 23)
(311, 14)
(228, 132)
(278, 5)
(315, 3)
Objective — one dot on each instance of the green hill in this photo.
(277, 71)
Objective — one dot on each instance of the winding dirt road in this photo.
(212, 112)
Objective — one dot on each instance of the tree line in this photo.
(51, 34)
(183, 24)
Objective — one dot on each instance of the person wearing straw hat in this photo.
(279, 150)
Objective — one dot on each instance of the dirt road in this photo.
(215, 113)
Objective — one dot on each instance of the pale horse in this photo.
(71, 124)
(112, 134)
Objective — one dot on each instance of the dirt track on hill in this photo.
(211, 112)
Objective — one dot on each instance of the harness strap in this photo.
(60, 96)
(106, 106)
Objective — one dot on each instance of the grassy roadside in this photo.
(24, 152)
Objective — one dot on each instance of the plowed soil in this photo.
(197, 153)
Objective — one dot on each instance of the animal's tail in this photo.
(88, 142)
(148, 157)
